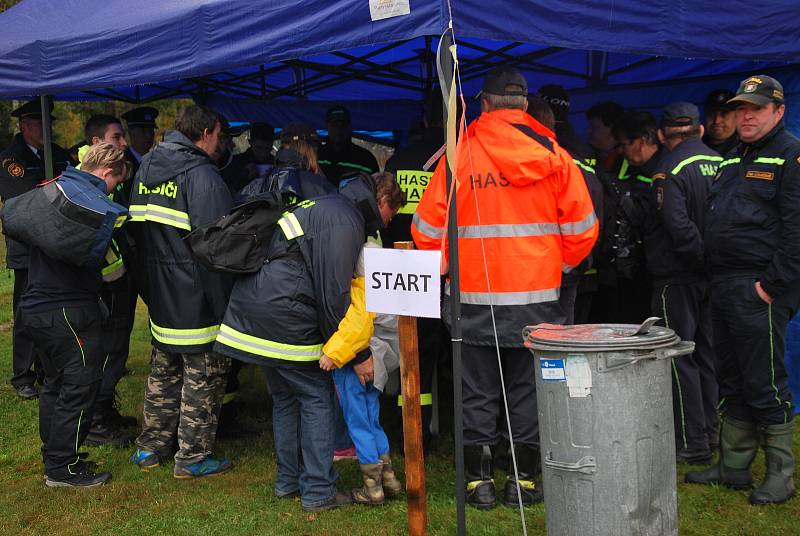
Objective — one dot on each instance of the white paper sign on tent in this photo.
(384, 9)
(403, 282)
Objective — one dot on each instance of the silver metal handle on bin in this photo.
(616, 360)
(585, 465)
(677, 350)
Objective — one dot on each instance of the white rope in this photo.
(462, 123)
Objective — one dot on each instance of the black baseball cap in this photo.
(680, 114)
(337, 113)
(558, 99)
(498, 80)
(32, 108)
(759, 90)
(144, 116)
(718, 100)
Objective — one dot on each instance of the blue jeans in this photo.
(302, 421)
(362, 410)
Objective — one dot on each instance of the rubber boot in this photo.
(737, 449)
(392, 487)
(528, 466)
(778, 485)
(372, 490)
(479, 473)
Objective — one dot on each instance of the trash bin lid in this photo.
(596, 337)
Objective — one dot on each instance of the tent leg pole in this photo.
(47, 131)
(455, 322)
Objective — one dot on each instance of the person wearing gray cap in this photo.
(674, 253)
(752, 242)
(720, 122)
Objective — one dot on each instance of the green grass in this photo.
(241, 502)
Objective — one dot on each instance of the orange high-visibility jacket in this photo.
(533, 213)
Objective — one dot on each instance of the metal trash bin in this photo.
(606, 429)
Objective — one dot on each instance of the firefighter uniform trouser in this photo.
(116, 338)
(23, 354)
(567, 299)
(749, 337)
(483, 398)
(686, 309)
(69, 342)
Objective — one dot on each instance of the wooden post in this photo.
(412, 421)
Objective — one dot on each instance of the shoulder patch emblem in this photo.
(13, 168)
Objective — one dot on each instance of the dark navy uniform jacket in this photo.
(753, 220)
(21, 170)
(676, 220)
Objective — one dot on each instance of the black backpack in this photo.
(238, 242)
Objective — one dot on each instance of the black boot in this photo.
(528, 468)
(479, 472)
(778, 485)
(737, 449)
(106, 432)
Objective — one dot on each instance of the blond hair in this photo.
(104, 155)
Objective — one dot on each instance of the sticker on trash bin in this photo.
(579, 376)
(553, 370)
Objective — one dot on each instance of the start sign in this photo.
(403, 282)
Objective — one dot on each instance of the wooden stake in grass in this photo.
(412, 421)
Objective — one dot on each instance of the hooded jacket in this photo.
(177, 189)
(536, 219)
(282, 315)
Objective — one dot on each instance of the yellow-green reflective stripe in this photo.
(590, 271)
(475, 483)
(623, 170)
(642, 178)
(266, 348)
(583, 166)
(425, 399)
(228, 398)
(159, 214)
(184, 337)
(120, 221)
(291, 226)
(346, 164)
(695, 158)
(768, 160)
(729, 161)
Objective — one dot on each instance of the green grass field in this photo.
(242, 502)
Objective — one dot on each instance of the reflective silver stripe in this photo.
(579, 227)
(566, 268)
(507, 298)
(291, 226)
(507, 230)
(426, 228)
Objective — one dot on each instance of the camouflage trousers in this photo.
(183, 394)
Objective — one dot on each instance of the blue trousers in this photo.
(792, 359)
(361, 408)
(302, 421)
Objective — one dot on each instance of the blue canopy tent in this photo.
(256, 59)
